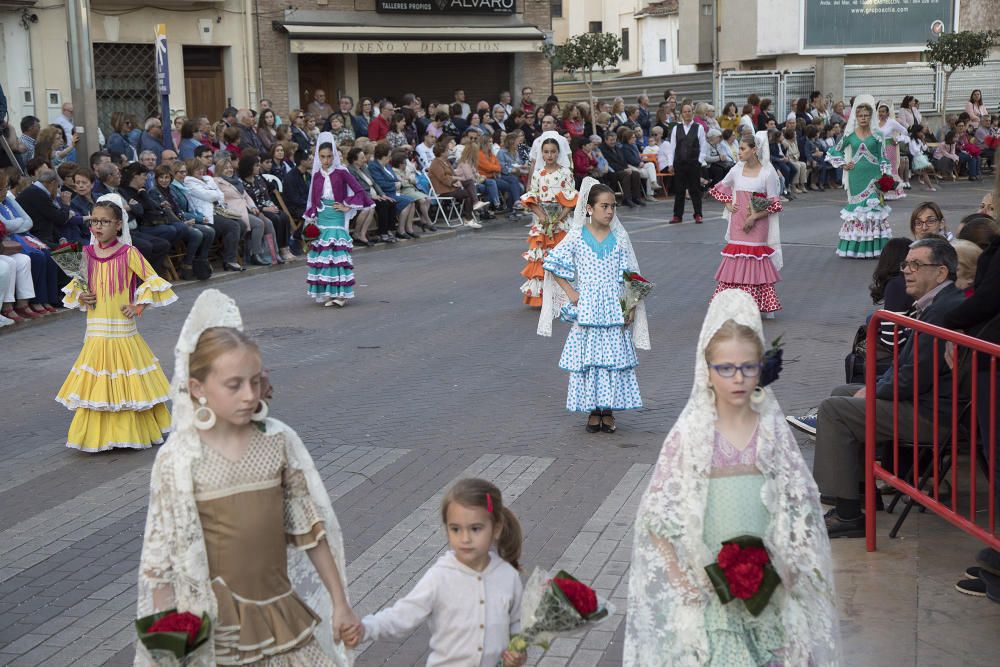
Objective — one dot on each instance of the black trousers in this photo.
(153, 248)
(282, 227)
(629, 181)
(687, 177)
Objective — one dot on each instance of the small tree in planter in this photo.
(959, 50)
(585, 53)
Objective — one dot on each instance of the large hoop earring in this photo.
(260, 414)
(204, 416)
(758, 396)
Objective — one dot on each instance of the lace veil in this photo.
(553, 296)
(119, 201)
(852, 121)
(669, 590)
(173, 549)
(565, 158)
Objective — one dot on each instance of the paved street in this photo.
(435, 373)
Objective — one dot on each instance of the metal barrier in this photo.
(697, 86)
(924, 81)
(782, 87)
(964, 400)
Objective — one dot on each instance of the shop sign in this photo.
(414, 46)
(480, 7)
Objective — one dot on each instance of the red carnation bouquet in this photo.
(743, 570)
(885, 184)
(310, 232)
(759, 201)
(554, 606)
(637, 288)
(174, 638)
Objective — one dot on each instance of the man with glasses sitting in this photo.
(929, 271)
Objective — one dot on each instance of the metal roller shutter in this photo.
(435, 77)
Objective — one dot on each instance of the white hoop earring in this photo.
(758, 396)
(260, 414)
(204, 416)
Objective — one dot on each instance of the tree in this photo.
(959, 50)
(584, 53)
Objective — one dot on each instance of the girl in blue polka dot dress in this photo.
(583, 285)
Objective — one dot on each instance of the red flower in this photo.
(633, 276)
(743, 567)
(760, 195)
(582, 597)
(179, 622)
(311, 232)
(886, 183)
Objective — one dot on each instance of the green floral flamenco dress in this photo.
(865, 229)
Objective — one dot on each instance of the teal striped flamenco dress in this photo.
(331, 267)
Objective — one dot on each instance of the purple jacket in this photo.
(340, 180)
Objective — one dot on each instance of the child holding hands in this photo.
(471, 598)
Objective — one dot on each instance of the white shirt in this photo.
(471, 615)
(67, 125)
(327, 187)
(702, 143)
(426, 155)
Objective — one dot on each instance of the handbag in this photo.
(228, 213)
(854, 362)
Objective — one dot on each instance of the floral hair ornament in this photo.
(489, 503)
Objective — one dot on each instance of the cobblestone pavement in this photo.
(433, 373)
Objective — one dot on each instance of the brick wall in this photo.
(529, 69)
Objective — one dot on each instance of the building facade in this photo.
(386, 48)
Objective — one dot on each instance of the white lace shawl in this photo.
(668, 587)
(173, 548)
(553, 296)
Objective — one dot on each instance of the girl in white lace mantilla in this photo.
(730, 467)
(230, 482)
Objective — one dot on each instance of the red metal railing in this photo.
(963, 376)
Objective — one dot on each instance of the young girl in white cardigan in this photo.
(471, 598)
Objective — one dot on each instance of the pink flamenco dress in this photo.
(751, 260)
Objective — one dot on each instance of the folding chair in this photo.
(446, 207)
(661, 176)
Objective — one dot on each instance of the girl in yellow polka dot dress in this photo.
(116, 386)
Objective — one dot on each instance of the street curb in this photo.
(228, 276)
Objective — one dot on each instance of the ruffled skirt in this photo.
(331, 268)
(865, 230)
(750, 269)
(118, 392)
(539, 245)
(601, 361)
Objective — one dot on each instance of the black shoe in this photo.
(628, 203)
(413, 235)
(488, 215)
(639, 202)
(992, 585)
(596, 426)
(989, 560)
(608, 422)
(972, 572)
(837, 527)
(974, 587)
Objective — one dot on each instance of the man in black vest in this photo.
(686, 155)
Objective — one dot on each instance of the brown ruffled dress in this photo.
(251, 510)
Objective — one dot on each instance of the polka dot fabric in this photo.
(599, 353)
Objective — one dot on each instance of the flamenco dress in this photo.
(599, 354)
(329, 261)
(116, 388)
(865, 229)
(553, 191)
(736, 638)
(746, 259)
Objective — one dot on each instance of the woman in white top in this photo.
(893, 133)
(920, 162)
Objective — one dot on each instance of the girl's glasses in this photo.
(101, 223)
(729, 370)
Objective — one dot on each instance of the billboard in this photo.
(857, 26)
(479, 7)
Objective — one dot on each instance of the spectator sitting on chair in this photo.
(198, 239)
(295, 185)
(490, 168)
(248, 132)
(30, 127)
(187, 144)
(152, 222)
(39, 201)
(628, 143)
(627, 179)
(718, 164)
(929, 270)
(447, 184)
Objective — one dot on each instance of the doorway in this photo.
(204, 82)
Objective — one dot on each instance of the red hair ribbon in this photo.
(489, 503)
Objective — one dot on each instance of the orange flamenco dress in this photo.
(553, 190)
(116, 388)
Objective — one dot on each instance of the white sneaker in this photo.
(473, 224)
(479, 205)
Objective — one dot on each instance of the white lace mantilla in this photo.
(668, 587)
